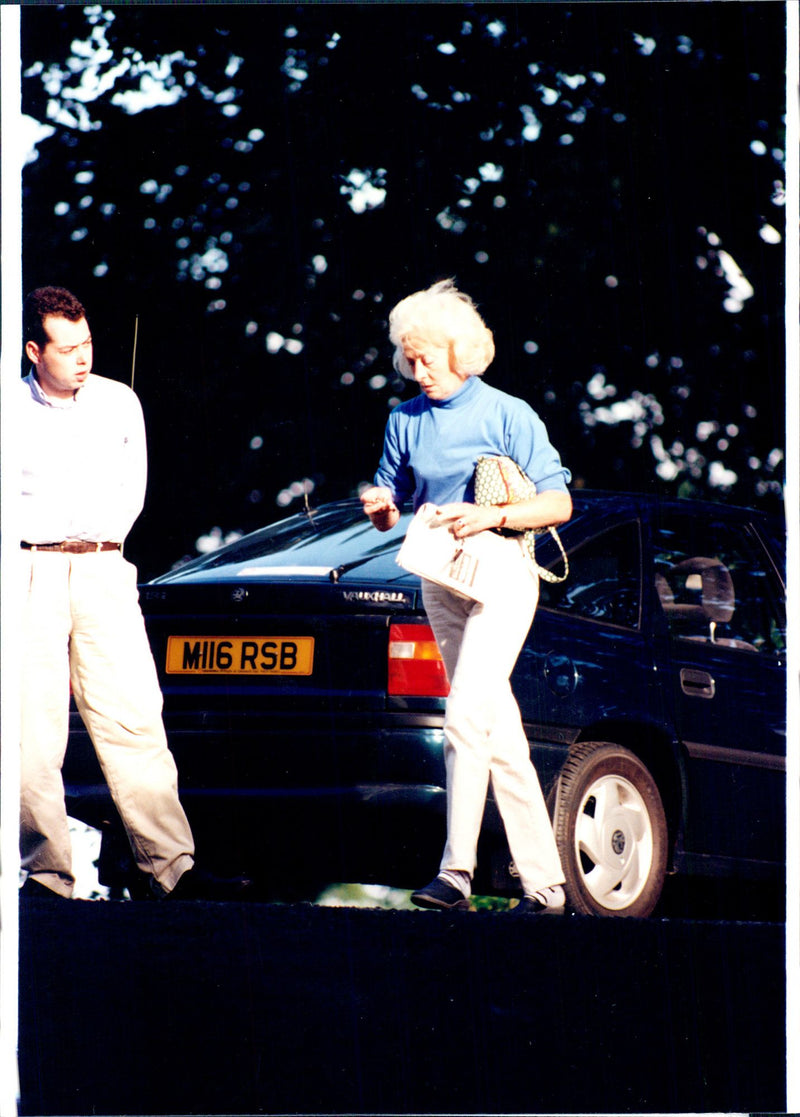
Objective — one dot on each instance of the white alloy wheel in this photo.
(611, 831)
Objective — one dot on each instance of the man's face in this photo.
(63, 365)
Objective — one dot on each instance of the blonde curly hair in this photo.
(443, 316)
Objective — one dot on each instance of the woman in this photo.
(431, 447)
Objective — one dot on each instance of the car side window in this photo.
(604, 578)
(714, 585)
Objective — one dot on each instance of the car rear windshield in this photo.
(336, 534)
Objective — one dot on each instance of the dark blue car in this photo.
(304, 698)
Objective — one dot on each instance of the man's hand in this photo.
(379, 505)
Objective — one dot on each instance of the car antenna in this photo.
(133, 359)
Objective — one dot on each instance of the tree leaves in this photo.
(260, 183)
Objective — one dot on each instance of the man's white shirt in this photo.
(84, 462)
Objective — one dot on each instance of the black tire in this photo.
(611, 831)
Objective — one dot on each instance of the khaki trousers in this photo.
(484, 737)
(82, 625)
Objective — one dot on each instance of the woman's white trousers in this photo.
(484, 738)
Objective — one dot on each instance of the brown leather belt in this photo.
(72, 547)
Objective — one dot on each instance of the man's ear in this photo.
(32, 352)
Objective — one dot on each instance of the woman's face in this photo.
(430, 367)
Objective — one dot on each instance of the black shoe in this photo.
(440, 894)
(529, 906)
(195, 884)
(32, 889)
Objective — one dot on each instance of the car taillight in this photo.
(415, 665)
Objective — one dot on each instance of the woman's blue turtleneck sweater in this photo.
(431, 447)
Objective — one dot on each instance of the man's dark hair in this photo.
(45, 302)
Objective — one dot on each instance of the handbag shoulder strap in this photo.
(547, 575)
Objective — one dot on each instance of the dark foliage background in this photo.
(604, 178)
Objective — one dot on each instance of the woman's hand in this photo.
(553, 507)
(379, 505)
(469, 519)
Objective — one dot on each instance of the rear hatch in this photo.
(279, 653)
(294, 614)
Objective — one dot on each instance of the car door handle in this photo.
(697, 684)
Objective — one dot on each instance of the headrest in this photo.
(713, 579)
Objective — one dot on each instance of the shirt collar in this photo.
(43, 398)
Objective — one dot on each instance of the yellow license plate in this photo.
(240, 655)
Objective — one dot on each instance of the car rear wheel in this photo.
(611, 831)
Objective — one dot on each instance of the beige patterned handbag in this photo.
(499, 480)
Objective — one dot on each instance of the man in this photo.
(84, 473)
